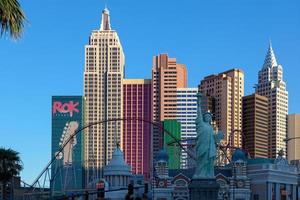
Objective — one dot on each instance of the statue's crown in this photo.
(208, 113)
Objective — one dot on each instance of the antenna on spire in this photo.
(270, 43)
(270, 59)
(105, 22)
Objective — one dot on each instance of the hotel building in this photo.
(186, 115)
(293, 142)
(167, 76)
(271, 85)
(137, 133)
(103, 93)
(255, 125)
(226, 90)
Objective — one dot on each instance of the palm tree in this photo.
(11, 18)
(10, 166)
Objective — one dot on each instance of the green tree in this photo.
(12, 18)
(10, 166)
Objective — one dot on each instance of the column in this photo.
(115, 177)
(294, 192)
(277, 191)
(288, 191)
(117, 180)
(269, 190)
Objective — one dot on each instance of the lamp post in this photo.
(288, 139)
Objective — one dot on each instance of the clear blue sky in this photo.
(208, 36)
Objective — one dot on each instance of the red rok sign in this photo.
(69, 107)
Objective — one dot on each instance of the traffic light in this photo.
(129, 195)
(100, 189)
(146, 190)
(86, 195)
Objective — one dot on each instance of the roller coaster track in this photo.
(39, 183)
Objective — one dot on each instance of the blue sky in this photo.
(208, 36)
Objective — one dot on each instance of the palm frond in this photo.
(12, 18)
(10, 164)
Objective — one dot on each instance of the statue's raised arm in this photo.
(199, 111)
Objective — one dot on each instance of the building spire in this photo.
(270, 60)
(270, 42)
(105, 22)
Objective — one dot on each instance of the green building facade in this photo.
(173, 149)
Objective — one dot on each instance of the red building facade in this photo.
(137, 134)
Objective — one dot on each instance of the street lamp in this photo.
(288, 139)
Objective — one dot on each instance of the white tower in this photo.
(271, 85)
(186, 115)
(103, 79)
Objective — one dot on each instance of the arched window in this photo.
(221, 182)
(180, 183)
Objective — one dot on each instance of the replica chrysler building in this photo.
(271, 85)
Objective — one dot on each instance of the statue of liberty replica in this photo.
(203, 185)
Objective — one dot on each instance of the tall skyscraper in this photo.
(256, 125)
(103, 92)
(137, 134)
(293, 143)
(226, 90)
(271, 85)
(67, 117)
(167, 76)
(186, 115)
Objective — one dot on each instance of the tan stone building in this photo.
(167, 76)
(256, 125)
(293, 142)
(103, 92)
(226, 90)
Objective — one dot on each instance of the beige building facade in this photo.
(226, 90)
(103, 92)
(293, 142)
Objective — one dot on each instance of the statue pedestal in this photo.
(204, 189)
